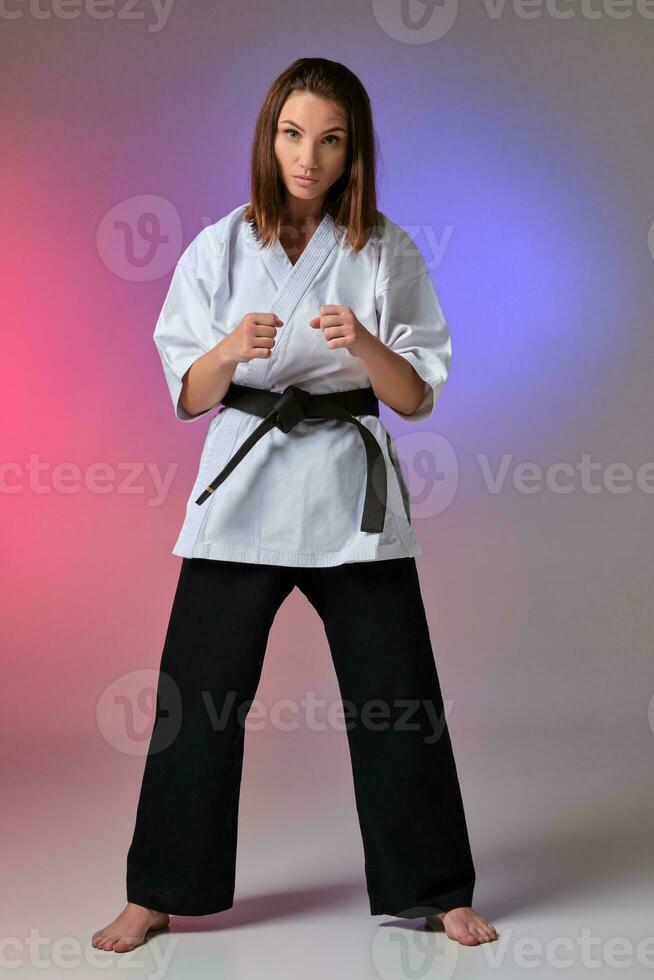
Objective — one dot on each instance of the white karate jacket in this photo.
(297, 497)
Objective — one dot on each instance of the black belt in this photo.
(285, 409)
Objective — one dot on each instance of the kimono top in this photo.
(296, 498)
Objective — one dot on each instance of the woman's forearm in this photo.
(207, 380)
(394, 380)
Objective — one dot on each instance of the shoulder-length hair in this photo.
(352, 199)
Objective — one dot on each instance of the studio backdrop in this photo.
(516, 150)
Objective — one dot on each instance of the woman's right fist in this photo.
(253, 337)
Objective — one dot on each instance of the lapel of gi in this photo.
(292, 282)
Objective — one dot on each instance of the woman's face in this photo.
(311, 141)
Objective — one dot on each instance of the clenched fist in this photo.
(253, 337)
(341, 328)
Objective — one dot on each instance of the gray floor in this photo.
(561, 834)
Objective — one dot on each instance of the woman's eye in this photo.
(331, 137)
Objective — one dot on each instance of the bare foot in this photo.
(463, 924)
(129, 929)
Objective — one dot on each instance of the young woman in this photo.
(299, 312)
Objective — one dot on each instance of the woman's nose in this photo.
(307, 161)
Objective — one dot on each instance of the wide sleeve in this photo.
(183, 332)
(411, 323)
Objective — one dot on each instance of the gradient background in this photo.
(524, 145)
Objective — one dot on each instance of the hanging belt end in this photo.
(203, 496)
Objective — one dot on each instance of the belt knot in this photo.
(290, 408)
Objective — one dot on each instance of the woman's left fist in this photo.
(341, 328)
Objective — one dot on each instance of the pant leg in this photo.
(410, 810)
(182, 858)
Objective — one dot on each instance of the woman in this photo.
(298, 312)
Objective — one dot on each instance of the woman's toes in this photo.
(124, 945)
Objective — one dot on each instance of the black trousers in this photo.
(182, 858)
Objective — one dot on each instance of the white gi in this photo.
(297, 497)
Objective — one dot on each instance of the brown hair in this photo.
(352, 199)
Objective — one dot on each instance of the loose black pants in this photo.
(182, 858)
